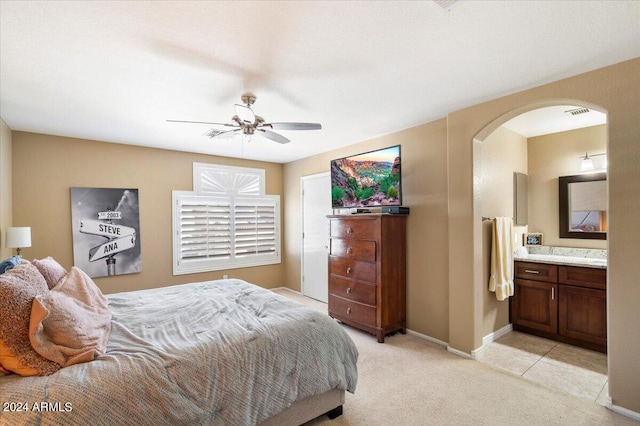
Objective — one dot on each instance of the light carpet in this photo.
(410, 381)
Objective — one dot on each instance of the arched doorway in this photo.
(492, 175)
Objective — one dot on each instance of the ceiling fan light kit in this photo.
(247, 122)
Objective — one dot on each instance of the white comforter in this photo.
(220, 352)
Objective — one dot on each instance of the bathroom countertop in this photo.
(588, 262)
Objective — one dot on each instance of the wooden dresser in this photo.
(564, 303)
(367, 272)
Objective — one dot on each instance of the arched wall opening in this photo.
(611, 89)
(492, 316)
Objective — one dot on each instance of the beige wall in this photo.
(612, 90)
(502, 153)
(46, 167)
(424, 186)
(551, 156)
(5, 187)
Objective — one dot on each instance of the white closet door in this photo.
(316, 205)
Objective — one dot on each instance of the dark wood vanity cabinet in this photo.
(535, 306)
(582, 305)
(367, 274)
(564, 303)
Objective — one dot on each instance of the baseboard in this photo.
(439, 342)
(460, 353)
(429, 338)
(284, 288)
(621, 410)
(485, 341)
(491, 337)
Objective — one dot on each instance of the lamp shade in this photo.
(587, 163)
(19, 237)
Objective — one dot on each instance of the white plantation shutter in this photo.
(204, 230)
(214, 232)
(254, 227)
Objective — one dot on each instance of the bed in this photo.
(221, 352)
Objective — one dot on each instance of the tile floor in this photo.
(568, 368)
(578, 371)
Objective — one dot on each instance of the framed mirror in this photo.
(583, 206)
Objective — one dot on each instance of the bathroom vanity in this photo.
(561, 298)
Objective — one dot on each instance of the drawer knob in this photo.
(349, 229)
(348, 310)
(349, 270)
(529, 271)
(349, 249)
(348, 290)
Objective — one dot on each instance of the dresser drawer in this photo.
(353, 228)
(583, 277)
(353, 249)
(354, 269)
(353, 311)
(536, 271)
(352, 290)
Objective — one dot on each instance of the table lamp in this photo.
(19, 238)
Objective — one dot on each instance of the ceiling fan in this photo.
(248, 123)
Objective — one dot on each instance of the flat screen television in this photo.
(369, 179)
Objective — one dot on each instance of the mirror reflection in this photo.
(588, 206)
(583, 206)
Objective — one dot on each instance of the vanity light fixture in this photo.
(587, 163)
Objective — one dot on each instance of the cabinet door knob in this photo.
(349, 270)
(348, 290)
(553, 293)
(349, 249)
(348, 310)
(349, 229)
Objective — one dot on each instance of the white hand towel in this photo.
(501, 279)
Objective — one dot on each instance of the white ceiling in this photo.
(116, 70)
(554, 119)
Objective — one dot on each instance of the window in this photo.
(226, 223)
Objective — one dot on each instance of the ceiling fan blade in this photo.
(245, 114)
(202, 122)
(215, 133)
(273, 136)
(293, 126)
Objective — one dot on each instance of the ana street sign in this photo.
(108, 230)
(112, 247)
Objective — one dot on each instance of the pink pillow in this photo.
(18, 287)
(71, 323)
(51, 270)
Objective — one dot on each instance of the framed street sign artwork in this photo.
(106, 231)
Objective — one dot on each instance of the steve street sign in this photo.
(112, 247)
(108, 230)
